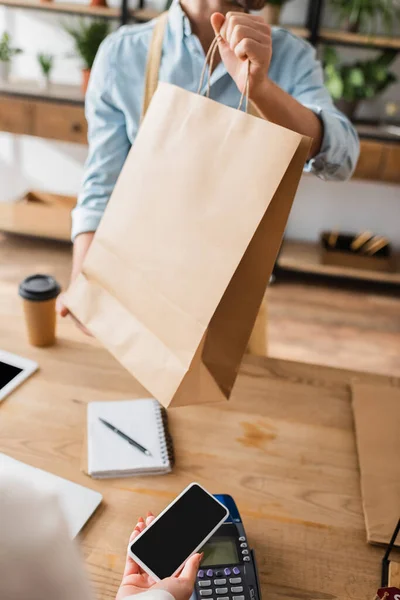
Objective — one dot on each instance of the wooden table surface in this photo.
(283, 447)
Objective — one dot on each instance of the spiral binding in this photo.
(167, 449)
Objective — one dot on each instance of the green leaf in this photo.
(330, 56)
(335, 86)
(7, 51)
(356, 77)
(87, 37)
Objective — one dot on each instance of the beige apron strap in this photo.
(154, 61)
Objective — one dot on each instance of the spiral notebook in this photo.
(145, 421)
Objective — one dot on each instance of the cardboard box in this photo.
(38, 214)
(354, 260)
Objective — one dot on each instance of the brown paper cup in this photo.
(40, 320)
(39, 294)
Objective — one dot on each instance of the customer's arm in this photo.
(307, 109)
(38, 559)
(108, 149)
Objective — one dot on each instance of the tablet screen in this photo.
(7, 373)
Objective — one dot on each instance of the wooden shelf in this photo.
(72, 8)
(381, 133)
(65, 7)
(77, 8)
(301, 32)
(142, 15)
(304, 257)
(25, 88)
(358, 39)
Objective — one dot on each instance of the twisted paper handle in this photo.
(209, 62)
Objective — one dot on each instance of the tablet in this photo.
(13, 371)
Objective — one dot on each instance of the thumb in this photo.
(217, 20)
(191, 567)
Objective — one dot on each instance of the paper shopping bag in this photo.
(177, 270)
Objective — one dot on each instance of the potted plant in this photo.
(88, 37)
(98, 3)
(348, 84)
(7, 53)
(46, 62)
(364, 15)
(272, 11)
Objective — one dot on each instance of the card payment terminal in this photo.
(228, 570)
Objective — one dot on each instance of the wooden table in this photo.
(283, 447)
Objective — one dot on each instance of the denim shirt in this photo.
(115, 95)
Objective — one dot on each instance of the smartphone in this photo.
(178, 532)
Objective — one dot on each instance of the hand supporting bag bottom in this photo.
(177, 270)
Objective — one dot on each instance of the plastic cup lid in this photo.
(39, 287)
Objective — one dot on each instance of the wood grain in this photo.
(60, 122)
(335, 325)
(42, 118)
(283, 447)
(391, 166)
(394, 574)
(16, 116)
(369, 165)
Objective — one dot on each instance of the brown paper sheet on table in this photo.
(377, 422)
(177, 270)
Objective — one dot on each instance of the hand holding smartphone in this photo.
(178, 532)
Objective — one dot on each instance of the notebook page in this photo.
(139, 419)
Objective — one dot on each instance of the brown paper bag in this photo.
(177, 270)
(376, 411)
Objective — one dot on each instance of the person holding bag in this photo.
(285, 87)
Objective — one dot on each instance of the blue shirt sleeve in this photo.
(108, 143)
(340, 145)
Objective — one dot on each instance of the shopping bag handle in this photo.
(209, 61)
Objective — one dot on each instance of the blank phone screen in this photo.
(176, 535)
(7, 373)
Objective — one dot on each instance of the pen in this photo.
(126, 437)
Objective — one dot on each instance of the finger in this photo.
(233, 19)
(134, 534)
(131, 567)
(141, 526)
(149, 519)
(217, 20)
(240, 32)
(191, 567)
(60, 306)
(251, 50)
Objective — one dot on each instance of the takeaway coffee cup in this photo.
(39, 293)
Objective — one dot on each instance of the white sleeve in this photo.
(152, 595)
